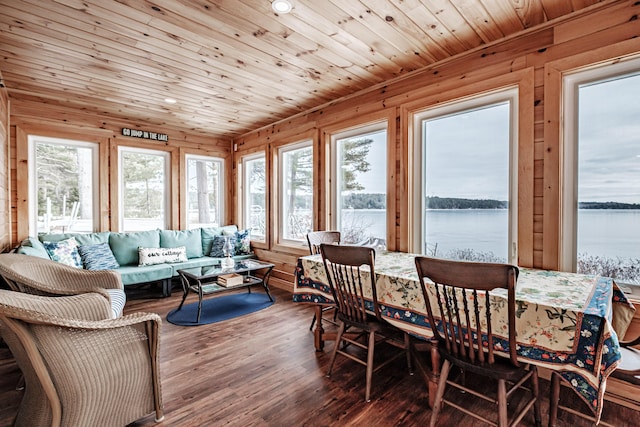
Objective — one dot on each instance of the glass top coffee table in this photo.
(208, 279)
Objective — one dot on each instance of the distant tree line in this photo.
(608, 205)
(365, 201)
(379, 201)
(455, 203)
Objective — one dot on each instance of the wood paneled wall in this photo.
(5, 227)
(30, 116)
(533, 61)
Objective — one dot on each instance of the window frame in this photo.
(221, 185)
(568, 256)
(166, 155)
(335, 181)
(510, 94)
(32, 141)
(243, 202)
(278, 193)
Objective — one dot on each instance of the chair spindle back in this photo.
(461, 292)
(316, 238)
(347, 279)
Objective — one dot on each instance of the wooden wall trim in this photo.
(236, 187)
(182, 183)
(522, 60)
(30, 115)
(23, 129)
(273, 215)
(5, 175)
(173, 178)
(324, 179)
(554, 119)
(523, 80)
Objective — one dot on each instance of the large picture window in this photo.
(467, 179)
(360, 185)
(63, 185)
(144, 192)
(254, 194)
(601, 216)
(296, 190)
(205, 186)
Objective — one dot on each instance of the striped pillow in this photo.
(98, 257)
(118, 300)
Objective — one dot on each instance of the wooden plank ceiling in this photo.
(235, 65)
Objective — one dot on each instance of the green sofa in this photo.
(124, 246)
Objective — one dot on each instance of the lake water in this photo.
(606, 232)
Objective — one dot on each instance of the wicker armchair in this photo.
(80, 370)
(39, 276)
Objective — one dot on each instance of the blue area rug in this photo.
(217, 309)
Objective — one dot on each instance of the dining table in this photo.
(565, 321)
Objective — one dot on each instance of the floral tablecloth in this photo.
(563, 319)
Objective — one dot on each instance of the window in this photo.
(254, 192)
(467, 179)
(601, 211)
(63, 182)
(144, 192)
(360, 185)
(205, 186)
(296, 191)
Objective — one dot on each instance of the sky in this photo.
(467, 154)
(609, 126)
(375, 181)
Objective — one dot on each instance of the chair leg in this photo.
(554, 399)
(313, 322)
(442, 384)
(21, 383)
(336, 345)
(503, 420)
(535, 387)
(370, 349)
(407, 346)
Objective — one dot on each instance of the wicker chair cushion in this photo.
(118, 299)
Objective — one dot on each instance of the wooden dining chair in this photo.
(315, 239)
(460, 308)
(351, 275)
(628, 371)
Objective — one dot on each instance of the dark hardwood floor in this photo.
(262, 370)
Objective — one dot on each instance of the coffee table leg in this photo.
(265, 283)
(185, 289)
(199, 300)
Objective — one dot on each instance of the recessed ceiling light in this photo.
(170, 100)
(281, 6)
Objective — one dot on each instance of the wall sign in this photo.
(145, 134)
